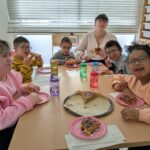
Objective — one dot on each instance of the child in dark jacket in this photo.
(119, 60)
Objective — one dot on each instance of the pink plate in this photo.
(72, 66)
(74, 128)
(90, 63)
(44, 70)
(44, 97)
(138, 103)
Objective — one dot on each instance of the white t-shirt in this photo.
(89, 43)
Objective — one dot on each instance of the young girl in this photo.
(13, 103)
(114, 53)
(64, 53)
(138, 83)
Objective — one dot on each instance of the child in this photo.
(24, 60)
(12, 102)
(138, 83)
(64, 53)
(113, 51)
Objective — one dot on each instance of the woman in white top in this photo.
(93, 43)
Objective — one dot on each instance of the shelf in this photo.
(145, 23)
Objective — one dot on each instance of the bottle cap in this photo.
(54, 79)
(95, 63)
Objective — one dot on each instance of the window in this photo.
(43, 44)
(72, 15)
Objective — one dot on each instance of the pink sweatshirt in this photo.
(10, 109)
(142, 91)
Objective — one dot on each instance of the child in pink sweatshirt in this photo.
(138, 82)
(13, 103)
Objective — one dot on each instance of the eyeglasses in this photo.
(66, 47)
(112, 51)
(139, 60)
(25, 47)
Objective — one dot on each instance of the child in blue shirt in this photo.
(64, 53)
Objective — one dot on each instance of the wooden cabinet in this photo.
(145, 23)
(75, 38)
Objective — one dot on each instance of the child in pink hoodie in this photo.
(13, 103)
(138, 82)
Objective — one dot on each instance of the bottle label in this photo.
(54, 91)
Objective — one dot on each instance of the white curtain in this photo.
(72, 15)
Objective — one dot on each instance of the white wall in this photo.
(3, 20)
(4, 23)
(41, 44)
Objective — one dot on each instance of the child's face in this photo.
(139, 63)
(113, 53)
(23, 50)
(5, 63)
(65, 48)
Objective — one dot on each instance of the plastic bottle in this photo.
(95, 66)
(54, 67)
(94, 80)
(83, 70)
(54, 86)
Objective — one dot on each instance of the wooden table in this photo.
(44, 127)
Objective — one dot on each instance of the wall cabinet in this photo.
(145, 23)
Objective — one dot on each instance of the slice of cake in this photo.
(71, 62)
(97, 50)
(88, 95)
(89, 126)
(130, 100)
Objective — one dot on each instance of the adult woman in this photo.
(93, 43)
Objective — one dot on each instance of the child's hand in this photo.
(120, 86)
(107, 62)
(27, 60)
(16, 95)
(130, 114)
(38, 57)
(35, 98)
(84, 57)
(30, 88)
(34, 87)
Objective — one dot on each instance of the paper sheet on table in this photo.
(113, 136)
